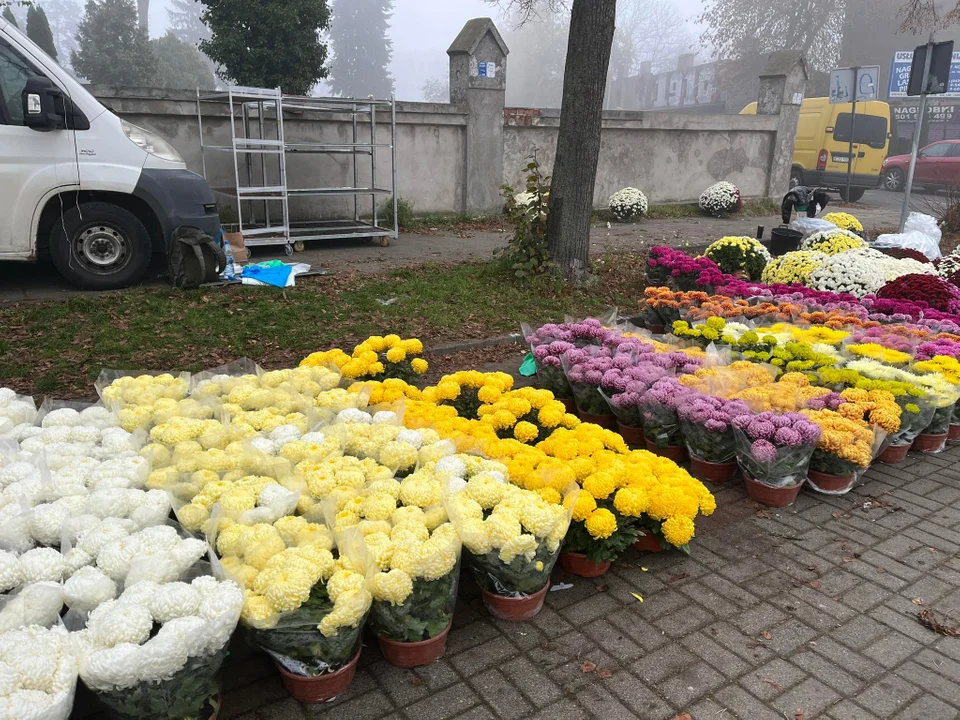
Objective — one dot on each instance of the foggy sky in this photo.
(421, 31)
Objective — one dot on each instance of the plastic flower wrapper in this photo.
(659, 409)
(37, 603)
(155, 651)
(775, 449)
(418, 569)
(513, 535)
(15, 535)
(15, 410)
(38, 673)
(707, 425)
(846, 447)
(305, 605)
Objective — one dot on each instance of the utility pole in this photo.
(921, 114)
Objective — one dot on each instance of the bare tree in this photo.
(918, 16)
(651, 30)
(592, 25)
(740, 28)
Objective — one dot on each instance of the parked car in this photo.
(98, 193)
(938, 165)
(821, 152)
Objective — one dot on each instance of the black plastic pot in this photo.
(784, 240)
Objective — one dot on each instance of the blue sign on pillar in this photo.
(482, 69)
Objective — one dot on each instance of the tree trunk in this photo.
(143, 14)
(592, 24)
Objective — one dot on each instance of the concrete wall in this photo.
(670, 156)
(454, 157)
(431, 141)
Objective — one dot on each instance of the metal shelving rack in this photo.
(259, 151)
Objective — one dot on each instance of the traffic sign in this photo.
(855, 84)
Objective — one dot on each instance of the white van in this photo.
(97, 193)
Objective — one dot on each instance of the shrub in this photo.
(404, 213)
(528, 252)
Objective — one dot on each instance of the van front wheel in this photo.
(100, 246)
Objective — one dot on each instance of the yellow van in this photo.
(822, 148)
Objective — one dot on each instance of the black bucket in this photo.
(784, 240)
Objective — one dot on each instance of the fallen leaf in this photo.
(683, 716)
(835, 515)
(931, 549)
(602, 587)
(847, 559)
(678, 577)
(881, 570)
(643, 568)
(928, 620)
(917, 601)
(637, 597)
(416, 681)
(775, 685)
(587, 667)
(547, 645)
(767, 635)
(815, 585)
(798, 715)
(604, 673)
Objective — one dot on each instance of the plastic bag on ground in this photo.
(926, 224)
(808, 226)
(911, 240)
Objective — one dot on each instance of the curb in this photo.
(451, 348)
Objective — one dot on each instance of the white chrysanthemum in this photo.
(628, 203)
(112, 668)
(16, 471)
(264, 445)
(451, 465)
(74, 560)
(41, 565)
(36, 604)
(283, 434)
(116, 556)
(112, 502)
(455, 484)
(15, 528)
(87, 588)
(153, 510)
(174, 600)
(119, 621)
(190, 632)
(60, 416)
(11, 574)
(9, 680)
(354, 415)
(386, 417)
(161, 657)
(160, 537)
(411, 437)
(719, 198)
(313, 437)
(84, 434)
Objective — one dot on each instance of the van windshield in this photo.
(868, 130)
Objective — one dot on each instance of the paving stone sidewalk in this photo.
(811, 607)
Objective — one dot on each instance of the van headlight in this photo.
(150, 142)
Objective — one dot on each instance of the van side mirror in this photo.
(43, 104)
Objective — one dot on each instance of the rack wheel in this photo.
(299, 246)
(382, 241)
(288, 249)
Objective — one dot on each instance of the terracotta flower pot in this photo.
(570, 405)
(894, 454)
(772, 496)
(514, 609)
(677, 453)
(320, 688)
(605, 421)
(954, 433)
(577, 564)
(633, 436)
(929, 443)
(413, 654)
(713, 472)
(648, 543)
(827, 483)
